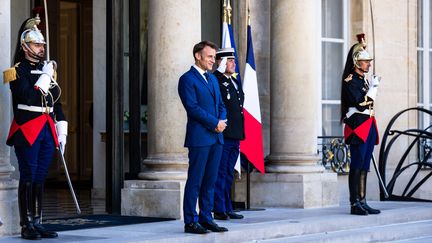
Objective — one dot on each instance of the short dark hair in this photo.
(198, 47)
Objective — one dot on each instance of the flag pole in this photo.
(247, 187)
(224, 19)
(248, 170)
(229, 9)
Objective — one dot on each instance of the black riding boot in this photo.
(362, 194)
(25, 204)
(37, 197)
(353, 182)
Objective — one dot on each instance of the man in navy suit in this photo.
(200, 95)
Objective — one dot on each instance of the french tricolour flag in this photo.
(252, 146)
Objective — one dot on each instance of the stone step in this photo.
(419, 231)
(314, 225)
(415, 240)
(399, 221)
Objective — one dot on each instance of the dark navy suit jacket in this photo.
(204, 108)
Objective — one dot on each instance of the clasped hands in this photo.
(221, 126)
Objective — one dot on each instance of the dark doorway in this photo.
(70, 24)
(71, 46)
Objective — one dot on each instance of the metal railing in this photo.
(334, 153)
(406, 176)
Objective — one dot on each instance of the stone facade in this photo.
(8, 186)
(286, 41)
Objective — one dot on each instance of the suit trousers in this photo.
(34, 161)
(222, 197)
(361, 154)
(202, 174)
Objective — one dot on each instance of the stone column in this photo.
(8, 186)
(295, 76)
(173, 30)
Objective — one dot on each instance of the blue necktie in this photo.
(207, 76)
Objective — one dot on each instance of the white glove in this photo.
(62, 142)
(373, 87)
(222, 65)
(48, 68)
(375, 81)
(62, 131)
(43, 84)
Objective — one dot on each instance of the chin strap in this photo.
(31, 53)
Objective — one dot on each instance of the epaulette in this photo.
(349, 78)
(10, 74)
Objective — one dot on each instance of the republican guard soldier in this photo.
(358, 95)
(38, 127)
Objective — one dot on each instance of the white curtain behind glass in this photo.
(334, 44)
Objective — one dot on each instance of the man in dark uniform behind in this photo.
(38, 127)
(233, 97)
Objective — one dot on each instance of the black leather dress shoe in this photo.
(213, 227)
(220, 216)
(195, 228)
(233, 215)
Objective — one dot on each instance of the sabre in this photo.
(386, 195)
(46, 31)
(373, 34)
(69, 180)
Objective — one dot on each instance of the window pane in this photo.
(420, 119)
(332, 65)
(420, 76)
(331, 120)
(430, 24)
(430, 79)
(332, 18)
(419, 23)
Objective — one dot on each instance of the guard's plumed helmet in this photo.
(359, 51)
(32, 34)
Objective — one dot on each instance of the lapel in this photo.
(208, 84)
(239, 84)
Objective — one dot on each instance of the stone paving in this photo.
(270, 225)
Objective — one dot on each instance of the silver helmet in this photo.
(32, 35)
(359, 51)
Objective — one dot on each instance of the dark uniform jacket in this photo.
(233, 99)
(357, 126)
(27, 125)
